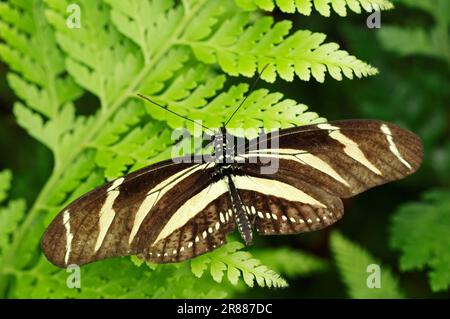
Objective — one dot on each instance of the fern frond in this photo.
(11, 214)
(240, 48)
(118, 278)
(407, 42)
(39, 77)
(352, 262)
(69, 180)
(5, 184)
(322, 6)
(420, 249)
(91, 54)
(236, 263)
(262, 109)
(140, 147)
(433, 42)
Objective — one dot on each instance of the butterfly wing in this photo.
(325, 162)
(287, 205)
(140, 214)
(344, 158)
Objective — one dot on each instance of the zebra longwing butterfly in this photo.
(177, 209)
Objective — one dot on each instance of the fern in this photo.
(235, 262)
(415, 229)
(241, 45)
(11, 214)
(322, 6)
(419, 41)
(5, 184)
(180, 54)
(352, 262)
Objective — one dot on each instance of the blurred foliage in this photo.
(73, 91)
(354, 264)
(420, 247)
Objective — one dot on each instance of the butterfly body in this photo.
(285, 182)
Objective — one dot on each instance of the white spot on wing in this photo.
(392, 147)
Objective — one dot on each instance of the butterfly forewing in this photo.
(343, 157)
(108, 221)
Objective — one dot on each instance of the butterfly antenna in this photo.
(173, 112)
(248, 94)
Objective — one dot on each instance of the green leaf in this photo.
(354, 262)
(409, 41)
(414, 232)
(118, 278)
(5, 184)
(432, 42)
(241, 46)
(229, 258)
(11, 214)
(262, 109)
(321, 6)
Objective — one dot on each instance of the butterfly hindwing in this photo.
(281, 205)
(203, 232)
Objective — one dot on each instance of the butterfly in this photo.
(180, 208)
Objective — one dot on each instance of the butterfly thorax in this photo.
(224, 149)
